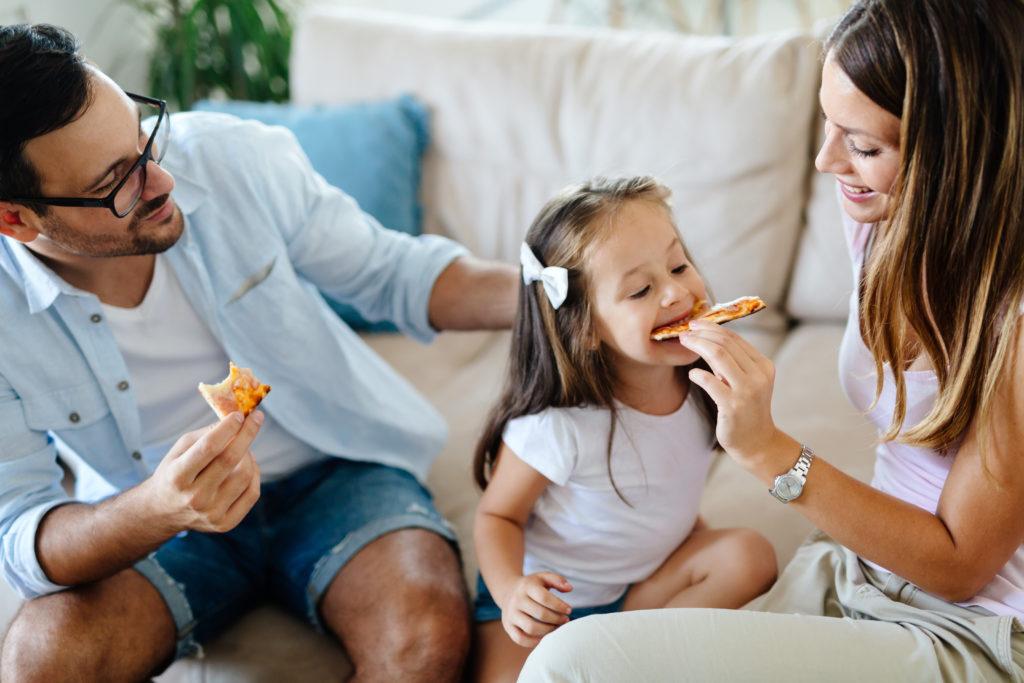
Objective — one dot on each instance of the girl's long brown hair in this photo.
(556, 359)
(946, 274)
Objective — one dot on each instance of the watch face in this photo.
(789, 487)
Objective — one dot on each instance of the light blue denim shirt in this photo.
(264, 237)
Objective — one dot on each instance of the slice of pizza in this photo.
(719, 313)
(240, 391)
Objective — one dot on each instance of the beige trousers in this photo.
(829, 618)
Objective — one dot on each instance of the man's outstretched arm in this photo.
(473, 294)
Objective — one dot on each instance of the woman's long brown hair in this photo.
(945, 277)
(556, 359)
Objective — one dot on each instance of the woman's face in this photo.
(861, 148)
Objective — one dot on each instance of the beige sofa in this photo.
(730, 126)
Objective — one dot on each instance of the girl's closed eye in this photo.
(680, 269)
(640, 294)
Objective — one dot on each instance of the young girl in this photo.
(594, 460)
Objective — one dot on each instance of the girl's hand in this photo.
(531, 612)
(741, 387)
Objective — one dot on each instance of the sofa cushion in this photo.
(822, 276)
(520, 112)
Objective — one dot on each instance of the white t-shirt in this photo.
(168, 350)
(579, 527)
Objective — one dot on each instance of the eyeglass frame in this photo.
(143, 161)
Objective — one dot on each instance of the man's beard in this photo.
(138, 240)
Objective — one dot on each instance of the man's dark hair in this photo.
(44, 86)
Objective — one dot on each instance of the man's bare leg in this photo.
(118, 629)
(400, 609)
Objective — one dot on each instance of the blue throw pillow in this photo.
(370, 150)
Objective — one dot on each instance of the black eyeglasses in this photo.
(127, 192)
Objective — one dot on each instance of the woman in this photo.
(924, 110)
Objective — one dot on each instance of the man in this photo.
(126, 277)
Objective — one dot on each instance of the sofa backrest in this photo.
(520, 112)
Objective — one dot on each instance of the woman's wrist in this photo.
(777, 454)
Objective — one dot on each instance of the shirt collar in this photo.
(187, 194)
(41, 285)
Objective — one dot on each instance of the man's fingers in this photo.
(235, 484)
(187, 440)
(208, 446)
(240, 508)
(218, 468)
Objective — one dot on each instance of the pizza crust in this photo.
(720, 313)
(240, 391)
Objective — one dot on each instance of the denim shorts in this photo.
(485, 609)
(302, 531)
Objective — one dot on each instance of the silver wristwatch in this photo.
(790, 485)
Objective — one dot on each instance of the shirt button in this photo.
(96, 317)
(75, 417)
(123, 385)
(136, 455)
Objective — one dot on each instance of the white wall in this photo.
(118, 39)
(113, 36)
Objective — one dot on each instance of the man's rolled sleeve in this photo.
(345, 252)
(29, 488)
(20, 564)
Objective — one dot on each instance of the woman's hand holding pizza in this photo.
(741, 387)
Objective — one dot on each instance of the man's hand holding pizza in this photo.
(209, 480)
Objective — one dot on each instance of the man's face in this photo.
(87, 158)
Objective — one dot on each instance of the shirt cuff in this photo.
(443, 252)
(21, 565)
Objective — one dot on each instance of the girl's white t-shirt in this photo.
(579, 526)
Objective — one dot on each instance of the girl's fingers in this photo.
(543, 596)
(718, 357)
(544, 614)
(530, 626)
(556, 581)
(520, 638)
(715, 388)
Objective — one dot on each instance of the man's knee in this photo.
(47, 640)
(116, 629)
(421, 630)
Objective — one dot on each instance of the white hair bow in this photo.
(555, 279)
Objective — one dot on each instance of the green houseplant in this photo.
(233, 48)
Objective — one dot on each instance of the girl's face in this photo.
(640, 279)
(861, 147)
